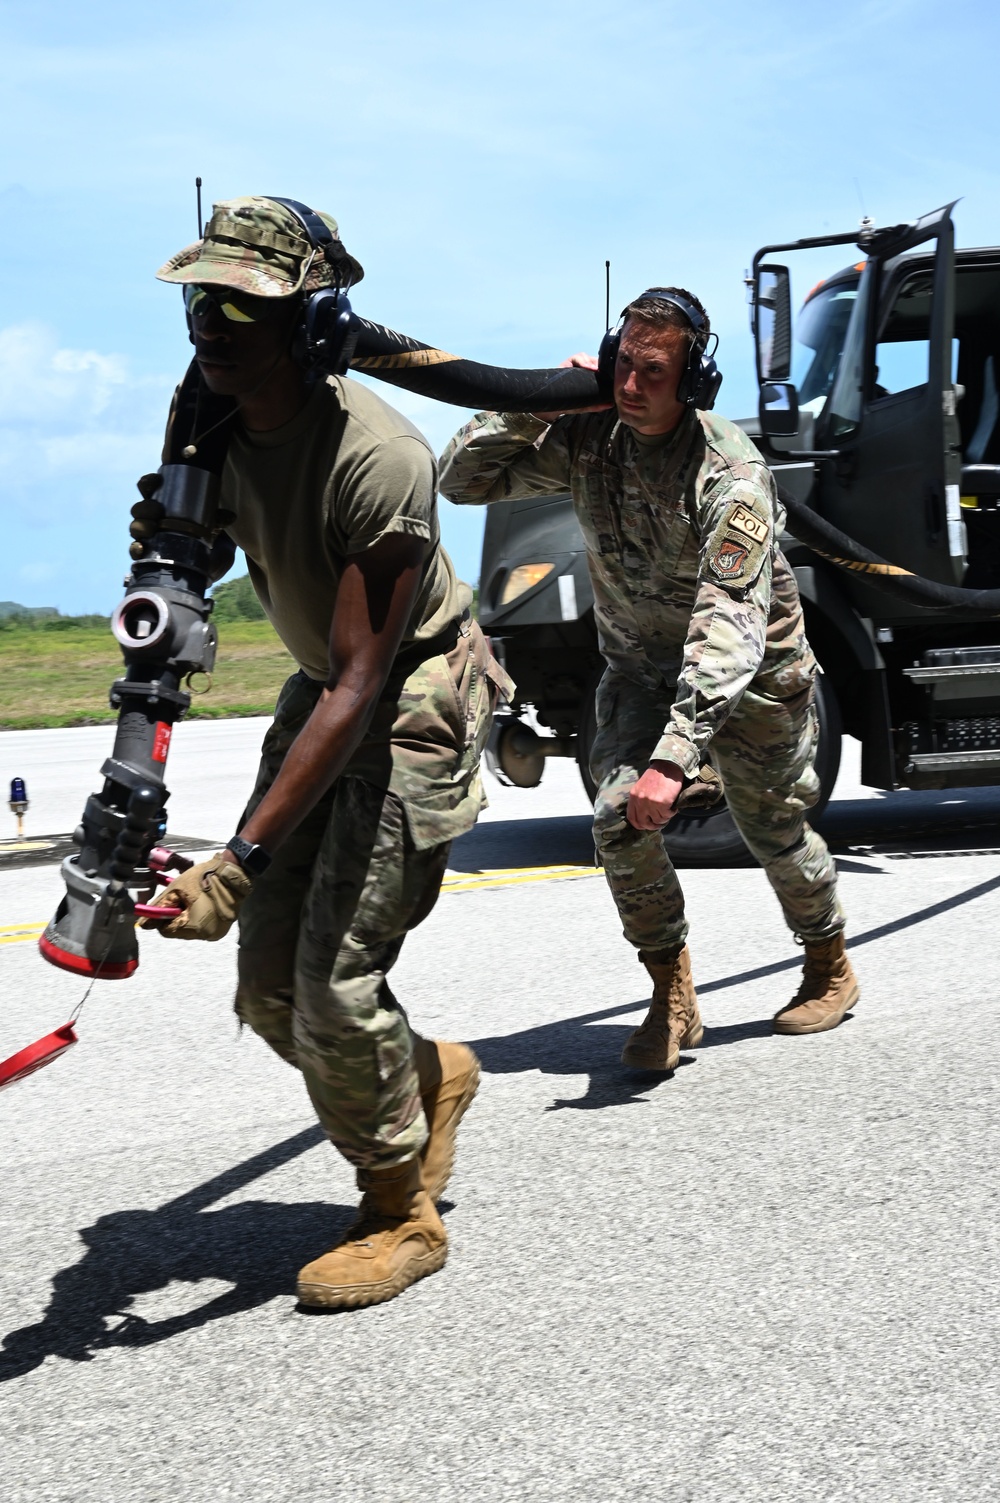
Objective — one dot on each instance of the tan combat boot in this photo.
(449, 1079)
(828, 989)
(673, 1022)
(397, 1238)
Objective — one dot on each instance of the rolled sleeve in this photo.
(392, 491)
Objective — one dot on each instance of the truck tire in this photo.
(712, 839)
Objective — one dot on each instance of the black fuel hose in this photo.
(847, 553)
(435, 373)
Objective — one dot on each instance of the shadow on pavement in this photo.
(573, 1046)
(565, 840)
(951, 821)
(256, 1246)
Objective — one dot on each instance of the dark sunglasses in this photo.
(237, 307)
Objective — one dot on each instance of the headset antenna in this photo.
(607, 296)
(197, 189)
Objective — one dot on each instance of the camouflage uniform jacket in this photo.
(691, 592)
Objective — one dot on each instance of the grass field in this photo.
(53, 676)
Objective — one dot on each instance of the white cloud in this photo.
(41, 383)
(73, 416)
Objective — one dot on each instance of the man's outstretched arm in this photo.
(505, 456)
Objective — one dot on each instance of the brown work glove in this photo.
(704, 791)
(210, 894)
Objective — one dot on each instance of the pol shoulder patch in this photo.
(742, 519)
(740, 544)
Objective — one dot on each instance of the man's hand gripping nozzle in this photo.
(163, 628)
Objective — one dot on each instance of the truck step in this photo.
(954, 740)
(958, 673)
(950, 761)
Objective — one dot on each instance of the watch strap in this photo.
(253, 858)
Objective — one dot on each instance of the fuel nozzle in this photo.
(18, 803)
(93, 932)
(164, 629)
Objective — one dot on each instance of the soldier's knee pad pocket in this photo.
(609, 816)
(379, 912)
(612, 831)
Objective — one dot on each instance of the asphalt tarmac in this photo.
(770, 1276)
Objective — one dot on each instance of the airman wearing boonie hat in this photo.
(371, 766)
(255, 244)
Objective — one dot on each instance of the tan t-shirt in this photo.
(347, 471)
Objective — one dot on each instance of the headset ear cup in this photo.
(711, 380)
(323, 339)
(302, 336)
(606, 358)
(692, 386)
(687, 385)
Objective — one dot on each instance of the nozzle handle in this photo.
(144, 807)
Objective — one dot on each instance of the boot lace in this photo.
(370, 1222)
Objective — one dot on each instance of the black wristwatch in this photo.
(253, 858)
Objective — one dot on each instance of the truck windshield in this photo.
(819, 340)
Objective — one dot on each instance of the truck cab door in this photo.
(892, 471)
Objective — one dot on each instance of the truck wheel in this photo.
(712, 839)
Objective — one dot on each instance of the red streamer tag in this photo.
(161, 741)
(37, 1055)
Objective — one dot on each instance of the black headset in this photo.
(700, 379)
(325, 337)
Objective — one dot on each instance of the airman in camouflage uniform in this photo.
(699, 620)
(371, 767)
(323, 926)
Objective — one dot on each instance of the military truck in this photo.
(880, 410)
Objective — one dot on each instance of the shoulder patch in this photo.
(742, 519)
(731, 557)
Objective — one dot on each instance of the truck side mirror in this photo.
(779, 409)
(773, 323)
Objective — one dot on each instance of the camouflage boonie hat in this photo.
(258, 246)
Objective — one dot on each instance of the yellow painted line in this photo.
(514, 876)
(19, 934)
(510, 876)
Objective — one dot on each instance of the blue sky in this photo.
(482, 163)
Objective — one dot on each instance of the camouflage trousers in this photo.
(319, 933)
(765, 753)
